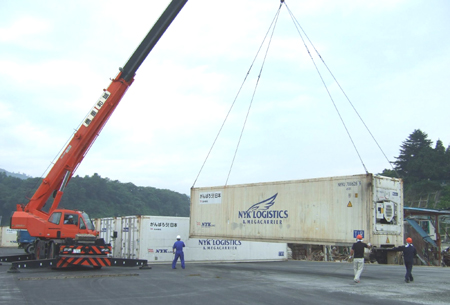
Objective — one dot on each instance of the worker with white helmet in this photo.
(178, 251)
(69, 220)
(409, 253)
(358, 256)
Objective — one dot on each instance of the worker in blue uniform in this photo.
(178, 251)
(409, 253)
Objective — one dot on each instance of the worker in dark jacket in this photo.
(409, 252)
(358, 256)
(178, 251)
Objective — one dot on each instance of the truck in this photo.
(320, 211)
(66, 238)
(25, 241)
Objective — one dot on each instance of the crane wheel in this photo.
(39, 251)
(51, 250)
(29, 248)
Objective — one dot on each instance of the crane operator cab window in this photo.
(82, 225)
(71, 219)
(55, 218)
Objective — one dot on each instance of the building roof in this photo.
(444, 215)
(423, 211)
(422, 233)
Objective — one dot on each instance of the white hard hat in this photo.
(178, 237)
(70, 216)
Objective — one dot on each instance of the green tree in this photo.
(389, 173)
(447, 165)
(440, 166)
(416, 157)
(424, 170)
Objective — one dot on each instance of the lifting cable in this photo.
(272, 26)
(299, 30)
(297, 25)
(274, 22)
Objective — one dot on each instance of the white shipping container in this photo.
(109, 229)
(322, 211)
(152, 238)
(8, 237)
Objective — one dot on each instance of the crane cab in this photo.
(60, 224)
(69, 223)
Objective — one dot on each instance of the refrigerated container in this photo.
(320, 211)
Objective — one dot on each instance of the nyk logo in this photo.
(205, 224)
(219, 242)
(261, 210)
(162, 251)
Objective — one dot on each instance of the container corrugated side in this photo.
(311, 211)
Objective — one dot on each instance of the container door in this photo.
(106, 229)
(130, 242)
(388, 211)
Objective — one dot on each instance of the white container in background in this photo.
(152, 238)
(8, 237)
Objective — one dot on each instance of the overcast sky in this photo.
(390, 56)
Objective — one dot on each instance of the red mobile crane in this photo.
(68, 237)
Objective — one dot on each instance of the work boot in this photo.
(411, 279)
(406, 280)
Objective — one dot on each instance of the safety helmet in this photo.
(409, 240)
(359, 236)
(70, 216)
(178, 237)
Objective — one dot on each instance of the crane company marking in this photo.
(100, 102)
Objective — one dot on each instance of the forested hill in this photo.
(17, 175)
(97, 196)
